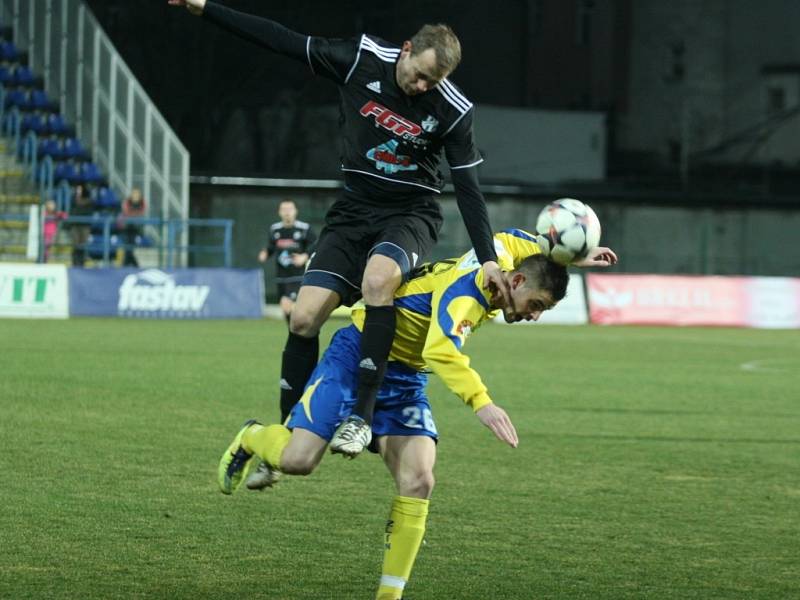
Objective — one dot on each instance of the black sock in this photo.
(376, 342)
(299, 359)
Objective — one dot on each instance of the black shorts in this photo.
(355, 230)
(289, 290)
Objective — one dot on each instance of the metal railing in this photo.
(171, 249)
(96, 90)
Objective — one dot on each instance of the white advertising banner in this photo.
(774, 302)
(570, 311)
(33, 291)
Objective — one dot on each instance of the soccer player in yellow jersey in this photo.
(438, 308)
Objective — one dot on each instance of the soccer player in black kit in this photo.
(398, 112)
(290, 241)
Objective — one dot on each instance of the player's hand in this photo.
(298, 260)
(262, 256)
(495, 281)
(496, 419)
(598, 257)
(194, 6)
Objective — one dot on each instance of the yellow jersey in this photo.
(441, 305)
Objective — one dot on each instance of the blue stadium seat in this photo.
(106, 199)
(16, 97)
(34, 121)
(50, 146)
(66, 171)
(94, 247)
(6, 75)
(23, 76)
(90, 173)
(8, 51)
(96, 226)
(39, 100)
(72, 148)
(57, 124)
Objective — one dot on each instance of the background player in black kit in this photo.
(398, 113)
(290, 242)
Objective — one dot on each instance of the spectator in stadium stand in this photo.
(440, 306)
(399, 111)
(82, 206)
(132, 207)
(290, 241)
(52, 218)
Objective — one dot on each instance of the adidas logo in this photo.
(285, 385)
(375, 86)
(368, 364)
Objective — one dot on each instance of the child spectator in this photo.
(52, 217)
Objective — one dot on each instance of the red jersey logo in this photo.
(390, 120)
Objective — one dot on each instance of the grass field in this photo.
(653, 463)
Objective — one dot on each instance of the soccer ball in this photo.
(568, 229)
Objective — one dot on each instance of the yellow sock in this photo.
(404, 533)
(267, 442)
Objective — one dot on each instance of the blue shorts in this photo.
(402, 407)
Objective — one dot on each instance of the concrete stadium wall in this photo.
(542, 146)
(650, 238)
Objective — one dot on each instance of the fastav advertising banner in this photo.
(33, 291)
(570, 311)
(167, 294)
(693, 300)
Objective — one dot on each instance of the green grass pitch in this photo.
(653, 463)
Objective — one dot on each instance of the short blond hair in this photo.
(444, 42)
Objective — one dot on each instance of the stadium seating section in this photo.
(47, 144)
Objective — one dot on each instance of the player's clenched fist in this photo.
(195, 6)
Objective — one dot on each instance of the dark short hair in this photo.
(544, 274)
(445, 43)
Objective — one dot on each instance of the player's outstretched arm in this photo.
(598, 257)
(472, 206)
(194, 6)
(496, 419)
(264, 32)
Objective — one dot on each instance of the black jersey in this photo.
(388, 134)
(392, 142)
(283, 243)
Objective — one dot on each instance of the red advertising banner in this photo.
(693, 300)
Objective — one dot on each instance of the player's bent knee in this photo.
(379, 287)
(417, 484)
(303, 322)
(311, 310)
(297, 464)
